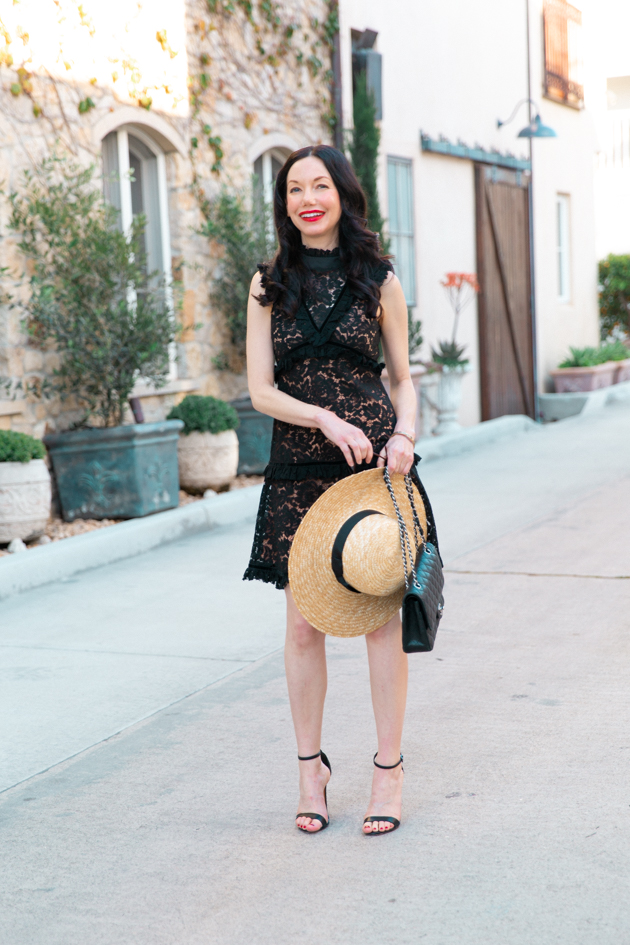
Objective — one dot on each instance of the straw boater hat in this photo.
(345, 566)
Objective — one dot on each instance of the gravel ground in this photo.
(57, 529)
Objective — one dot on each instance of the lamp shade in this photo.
(536, 129)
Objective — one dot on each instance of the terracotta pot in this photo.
(207, 460)
(416, 371)
(623, 371)
(24, 500)
(578, 379)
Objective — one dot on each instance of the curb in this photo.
(431, 448)
(561, 406)
(63, 559)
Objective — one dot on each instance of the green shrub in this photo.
(364, 147)
(91, 296)
(589, 357)
(414, 333)
(614, 295)
(247, 237)
(204, 415)
(615, 351)
(19, 448)
(581, 357)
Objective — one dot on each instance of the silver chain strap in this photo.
(408, 557)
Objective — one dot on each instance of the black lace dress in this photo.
(327, 355)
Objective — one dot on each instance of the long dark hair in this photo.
(286, 275)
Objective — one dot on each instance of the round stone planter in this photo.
(24, 500)
(207, 460)
(449, 398)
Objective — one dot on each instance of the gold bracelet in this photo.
(411, 438)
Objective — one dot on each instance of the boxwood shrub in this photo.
(204, 415)
(19, 448)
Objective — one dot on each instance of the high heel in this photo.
(324, 823)
(376, 819)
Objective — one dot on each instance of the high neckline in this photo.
(313, 251)
(321, 260)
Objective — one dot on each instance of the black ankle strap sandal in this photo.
(324, 823)
(377, 819)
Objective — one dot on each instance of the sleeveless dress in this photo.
(327, 356)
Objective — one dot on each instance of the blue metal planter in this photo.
(116, 472)
(254, 438)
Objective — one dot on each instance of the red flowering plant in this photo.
(461, 288)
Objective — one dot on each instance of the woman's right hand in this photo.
(352, 441)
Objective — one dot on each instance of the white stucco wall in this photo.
(452, 69)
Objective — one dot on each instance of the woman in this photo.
(318, 311)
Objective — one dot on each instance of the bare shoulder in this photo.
(391, 291)
(256, 283)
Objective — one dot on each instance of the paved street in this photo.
(148, 759)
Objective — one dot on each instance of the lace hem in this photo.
(327, 351)
(267, 574)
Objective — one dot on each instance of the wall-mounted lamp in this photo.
(535, 128)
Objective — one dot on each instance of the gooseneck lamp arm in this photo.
(513, 115)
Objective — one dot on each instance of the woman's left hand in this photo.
(398, 453)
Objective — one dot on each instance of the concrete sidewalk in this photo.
(179, 829)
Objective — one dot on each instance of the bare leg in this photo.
(388, 681)
(305, 665)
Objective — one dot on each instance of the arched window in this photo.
(135, 182)
(266, 168)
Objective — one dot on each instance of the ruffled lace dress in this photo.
(327, 356)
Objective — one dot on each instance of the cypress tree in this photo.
(364, 150)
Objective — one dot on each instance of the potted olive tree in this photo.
(94, 303)
(24, 487)
(208, 445)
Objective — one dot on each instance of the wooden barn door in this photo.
(505, 323)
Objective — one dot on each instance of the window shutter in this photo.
(400, 223)
(563, 53)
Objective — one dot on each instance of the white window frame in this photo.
(563, 247)
(399, 233)
(126, 214)
(267, 173)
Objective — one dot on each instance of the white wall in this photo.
(453, 68)
(563, 165)
(609, 56)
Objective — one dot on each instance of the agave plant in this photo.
(450, 354)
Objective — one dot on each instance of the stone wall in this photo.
(69, 75)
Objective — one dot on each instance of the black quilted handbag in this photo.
(423, 603)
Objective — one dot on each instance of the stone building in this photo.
(200, 93)
(192, 95)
